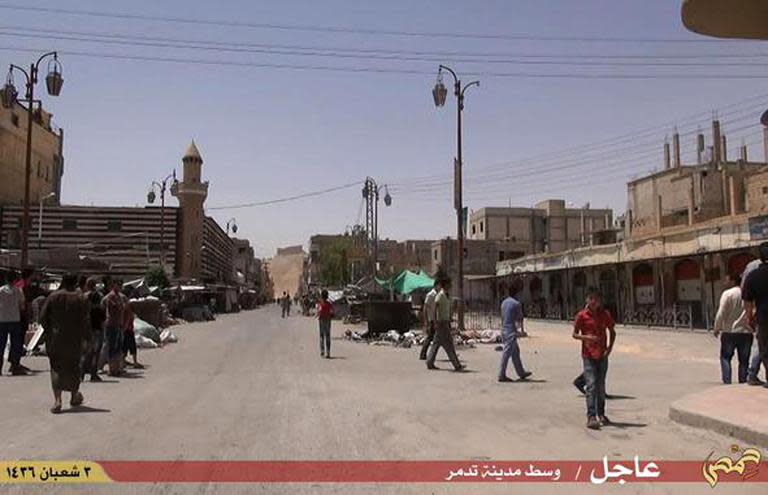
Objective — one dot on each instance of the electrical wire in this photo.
(310, 194)
(350, 30)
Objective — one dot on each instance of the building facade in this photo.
(548, 227)
(47, 156)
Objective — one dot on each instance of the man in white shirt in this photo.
(11, 305)
(735, 333)
(428, 318)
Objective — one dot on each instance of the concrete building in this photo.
(687, 227)
(548, 227)
(47, 156)
(287, 270)
(128, 239)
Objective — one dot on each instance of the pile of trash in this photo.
(149, 336)
(482, 336)
(392, 338)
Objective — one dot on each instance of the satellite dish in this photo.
(764, 118)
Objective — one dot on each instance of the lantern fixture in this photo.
(439, 92)
(151, 196)
(54, 81)
(9, 92)
(387, 197)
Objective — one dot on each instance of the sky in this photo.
(273, 119)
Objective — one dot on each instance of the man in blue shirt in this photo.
(511, 326)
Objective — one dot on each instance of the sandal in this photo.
(56, 409)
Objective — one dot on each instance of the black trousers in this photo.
(427, 341)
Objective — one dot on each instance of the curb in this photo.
(679, 414)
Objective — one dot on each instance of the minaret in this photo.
(191, 193)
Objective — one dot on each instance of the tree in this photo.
(156, 277)
(334, 264)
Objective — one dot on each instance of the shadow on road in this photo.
(623, 425)
(619, 397)
(84, 409)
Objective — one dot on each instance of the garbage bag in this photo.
(145, 343)
(141, 327)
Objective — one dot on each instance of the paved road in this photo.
(252, 386)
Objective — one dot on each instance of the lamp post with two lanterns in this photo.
(162, 186)
(439, 94)
(9, 97)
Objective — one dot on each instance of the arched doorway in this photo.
(738, 262)
(688, 287)
(642, 282)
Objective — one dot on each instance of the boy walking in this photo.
(324, 316)
(592, 327)
(512, 327)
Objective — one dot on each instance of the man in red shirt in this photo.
(594, 327)
(324, 316)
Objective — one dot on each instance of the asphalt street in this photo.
(252, 386)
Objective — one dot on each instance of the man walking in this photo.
(443, 337)
(594, 327)
(754, 356)
(90, 363)
(731, 322)
(428, 317)
(11, 308)
(114, 309)
(755, 296)
(65, 317)
(24, 284)
(511, 328)
(324, 316)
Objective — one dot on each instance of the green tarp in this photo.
(407, 282)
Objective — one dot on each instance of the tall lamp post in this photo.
(162, 186)
(40, 219)
(439, 94)
(371, 192)
(53, 81)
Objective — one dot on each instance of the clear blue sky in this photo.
(267, 133)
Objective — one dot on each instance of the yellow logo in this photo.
(726, 465)
(52, 472)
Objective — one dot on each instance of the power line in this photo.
(389, 70)
(343, 55)
(226, 44)
(350, 30)
(286, 199)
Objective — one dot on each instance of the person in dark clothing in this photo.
(65, 317)
(90, 363)
(755, 296)
(429, 320)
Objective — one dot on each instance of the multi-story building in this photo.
(548, 227)
(47, 156)
(129, 239)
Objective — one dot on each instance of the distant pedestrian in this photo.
(65, 317)
(324, 316)
(11, 309)
(731, 322)
(428, 317)
(90, 364)
(755, 296)
(443, 337)
(511, 329)
(594, 327)
(284, 304)
(24, 284)
(129, 336)
(114, 308)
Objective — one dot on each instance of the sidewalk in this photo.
(738, 411)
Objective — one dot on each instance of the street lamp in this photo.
(162, 186)
(232, 223)
(53, 82)
(40, 219)
(439, 94)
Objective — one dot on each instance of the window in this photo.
(481, 227)
(15, 120)
(69, 224)
(765, 189)
(435, 254)
(474, 229)
(114, 225)
(39, 170)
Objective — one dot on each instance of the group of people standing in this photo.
(593, 326)
(85, 329)
(741, 322)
